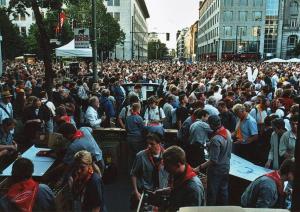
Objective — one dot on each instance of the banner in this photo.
(82, 37)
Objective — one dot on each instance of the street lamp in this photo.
(94, 41)
(1, 65)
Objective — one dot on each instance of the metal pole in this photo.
(132, 43)
(296, 183)
(1, 64)
(94, 41)
(138, 48)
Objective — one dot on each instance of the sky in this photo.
(171, 16)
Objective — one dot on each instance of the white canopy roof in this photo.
(276, 60)
(69, 50)
(294, 60)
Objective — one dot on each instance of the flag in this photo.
(62, 18)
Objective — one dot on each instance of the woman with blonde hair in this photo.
(86, 184)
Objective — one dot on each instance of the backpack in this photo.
(174, 116)
(284, 111)
(159, 112)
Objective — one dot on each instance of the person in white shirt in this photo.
(91, 114)
(217, 93)
(154, 115)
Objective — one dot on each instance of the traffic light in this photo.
(168, 36)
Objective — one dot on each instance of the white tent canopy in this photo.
(69, 50)
(294, 60)
(276, 60)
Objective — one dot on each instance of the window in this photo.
(22, 17)
(112, 14)
(23, 31)
(228, 16)
(243, 2)
(292, 40)
(110, 2)
(243, 16)
(258, 2)
(256, 31)
(2, 2)
(228, 46)
(257, 15)
(294, 8)
(117, 2)
(33, 17)
(293, 22)
(228, 31)
(17, 17)
(242, 31)
(228, 3)
(117, 16)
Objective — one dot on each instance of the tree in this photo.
(12, 44)
(157, 50)
(51, 20)
(19, 7)
(109, 33)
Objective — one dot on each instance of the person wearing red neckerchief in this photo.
(218, 163)
(81, 139)
(148, 172)
(25, 194)
(186, 187)
(267, 191)
(86, 184)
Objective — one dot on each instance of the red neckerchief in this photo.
(193, 117)
(135, 113)
(23, 194)
(222, 132)
(157, 166)
(276, 177)
(187, 175)
(78, 134)
(79, 184)
(66, 118)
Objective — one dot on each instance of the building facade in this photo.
(291, 27)
(247, 29)
(180, 43)
(132, 15)
(23, 22)
(190, 43)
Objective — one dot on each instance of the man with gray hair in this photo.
(246, 133)
(91, 114)
(210, 106)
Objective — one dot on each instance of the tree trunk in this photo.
(45, 47)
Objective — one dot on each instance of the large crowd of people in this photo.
(248, 109)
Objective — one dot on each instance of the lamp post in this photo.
(1, 65)
(94, 41)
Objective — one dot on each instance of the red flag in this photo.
(62, 18)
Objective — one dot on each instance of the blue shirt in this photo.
(87, 142)
(248, 127)
(134, 127)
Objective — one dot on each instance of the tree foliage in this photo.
(157, 50)
(109, 32)
(51, 20)
(12, 44)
